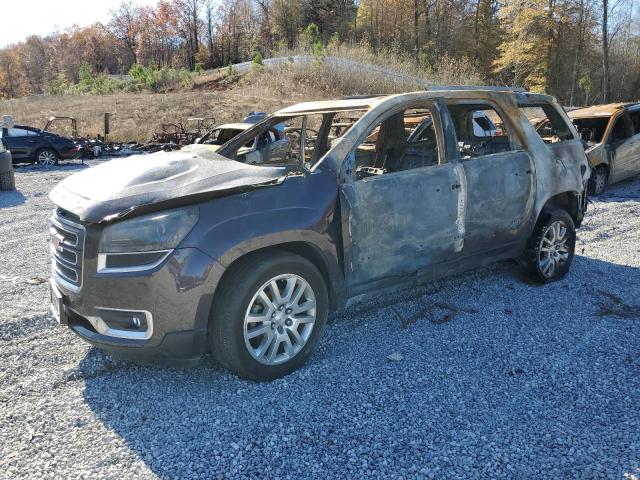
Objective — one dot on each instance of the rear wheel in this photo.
(598, 180)
(551, 247)
(268, 315)
(47, 157)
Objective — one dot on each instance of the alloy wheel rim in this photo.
(280, 319)
(46, 158)
(554, 249)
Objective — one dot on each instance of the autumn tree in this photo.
(125, 25)
(523, 55)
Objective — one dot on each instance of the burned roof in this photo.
(235, 126)
(598, 110)
(330, 106)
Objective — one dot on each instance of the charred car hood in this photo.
(120, 187)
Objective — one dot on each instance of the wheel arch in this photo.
(331, 275)
(568, 201)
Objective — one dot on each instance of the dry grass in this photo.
(135, 116)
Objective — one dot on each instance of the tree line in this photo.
(582, 51)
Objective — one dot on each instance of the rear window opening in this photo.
(480, 130)
(549, 124)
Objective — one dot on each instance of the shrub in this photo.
(60, 85)
(156, 79)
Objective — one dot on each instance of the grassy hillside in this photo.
(226, 97)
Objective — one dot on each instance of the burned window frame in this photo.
(518, 143)
(230, 149)
(348, 172)
(553, 116)
(621, 115)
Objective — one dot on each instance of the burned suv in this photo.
(177, 253)
(612, 133)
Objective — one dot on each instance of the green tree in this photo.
(523, 54)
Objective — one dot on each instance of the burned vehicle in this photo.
(32, 145)
(183, 133)
(612, 133)
(182, 252)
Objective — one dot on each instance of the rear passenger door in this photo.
(499, 180)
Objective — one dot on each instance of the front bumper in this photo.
(175, 298)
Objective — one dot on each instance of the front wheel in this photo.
(598, 180)
(551, 247)
(268, 316)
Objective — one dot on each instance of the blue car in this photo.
(32, 145)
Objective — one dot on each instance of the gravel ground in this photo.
(478, 375)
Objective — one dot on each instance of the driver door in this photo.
(620, 149)
(397, 221)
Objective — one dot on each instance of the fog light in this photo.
(124, 320)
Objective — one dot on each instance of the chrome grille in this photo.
(67, 245)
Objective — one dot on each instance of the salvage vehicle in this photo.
(29, 144)
(612, 133)
(272, 146)
(183, 252)
(7, 178)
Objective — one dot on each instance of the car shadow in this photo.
(623, 191)
(29, 167)
(518, 374)
(11, 198)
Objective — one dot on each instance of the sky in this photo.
(21, 18)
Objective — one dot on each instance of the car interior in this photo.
(473, 142)
(592, 129)
(551, 127)
(403, 141)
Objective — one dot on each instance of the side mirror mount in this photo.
(7, 122)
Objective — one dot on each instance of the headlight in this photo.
(156, 231)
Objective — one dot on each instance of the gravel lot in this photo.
(488, 377)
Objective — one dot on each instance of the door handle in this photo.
(529, 172)
(455, 186)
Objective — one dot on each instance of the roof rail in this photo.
(477, 87)
(358, 97)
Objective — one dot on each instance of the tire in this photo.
(46, 157)
(598, 180)
(7, 181)
(262, 352)
(551, 247)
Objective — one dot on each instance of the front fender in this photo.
(301, 211)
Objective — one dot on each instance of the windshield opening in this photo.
(290, 140)
(596, 126)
